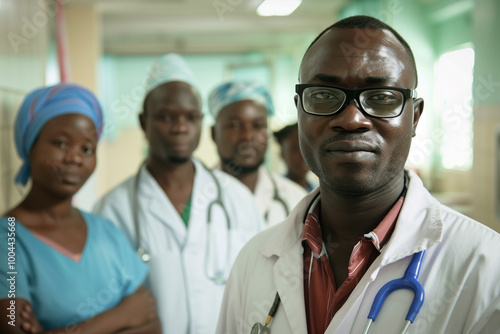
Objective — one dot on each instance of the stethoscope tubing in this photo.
(218, 278)
(409, 281)
(143, 254)
(276, 197)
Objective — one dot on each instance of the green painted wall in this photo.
(486, 36)
(122, 80)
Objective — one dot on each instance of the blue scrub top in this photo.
(63, 292)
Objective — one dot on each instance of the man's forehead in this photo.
(358, 39)
(376, 51)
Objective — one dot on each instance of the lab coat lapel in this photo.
(157, 206)
(290, 285)
(343, 320)
(203, 193)
(288, 269)
(419, 226)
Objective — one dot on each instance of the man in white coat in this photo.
(358, 112)
(188, 222)
(241, 110)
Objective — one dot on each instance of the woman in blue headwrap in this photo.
(62, 268)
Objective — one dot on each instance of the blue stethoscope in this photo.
(217, 276)
(408, 281)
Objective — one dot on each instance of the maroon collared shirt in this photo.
(322, 297)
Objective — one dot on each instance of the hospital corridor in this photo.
(249, 166)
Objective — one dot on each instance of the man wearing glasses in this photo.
(370, 220)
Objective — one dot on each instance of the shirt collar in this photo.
(312, 228)
(382, 233)
(379, 236)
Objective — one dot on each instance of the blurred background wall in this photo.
(110, 45)
(24, 58)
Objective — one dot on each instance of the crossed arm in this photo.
(136, 313)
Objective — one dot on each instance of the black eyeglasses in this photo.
(325, 100)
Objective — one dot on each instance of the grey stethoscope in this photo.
(276, 197)
(217, 276)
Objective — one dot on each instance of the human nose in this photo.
(351, 118)
(248, 133)
(179, 124)
(73, 156)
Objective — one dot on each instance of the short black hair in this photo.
(282, 134)
(368, 22)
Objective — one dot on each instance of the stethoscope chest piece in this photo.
(259, 328)
(143, 254)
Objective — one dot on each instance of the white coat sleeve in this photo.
(116, 206)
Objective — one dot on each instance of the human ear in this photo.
(142, 121)
(418, 109)
(296, 101)
(212, 131)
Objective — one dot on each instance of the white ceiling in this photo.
(207, 26)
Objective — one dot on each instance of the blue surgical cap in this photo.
(235, 91)
(44, 104)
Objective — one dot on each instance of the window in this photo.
(453, 103)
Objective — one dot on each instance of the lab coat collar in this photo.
(288, 269)
(419, 225)
(287, 235)
(154, 198)
(264, 184)
(156, 202)
(264, 193)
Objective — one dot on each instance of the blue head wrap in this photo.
(235, 91)
(170, 67)
(44, 104)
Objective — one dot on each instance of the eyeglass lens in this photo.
(375, 102)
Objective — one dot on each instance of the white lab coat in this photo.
(188, 301)
(272, 209)
(460, 274)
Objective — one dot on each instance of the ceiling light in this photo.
(278, 7)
